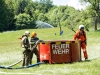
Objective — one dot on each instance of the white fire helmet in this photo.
(81, 26)
(26, 33)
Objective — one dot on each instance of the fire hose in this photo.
(33, 65)
(14, 63)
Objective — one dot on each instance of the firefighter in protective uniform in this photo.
(25, 48)
(81, 35)
(33, 47)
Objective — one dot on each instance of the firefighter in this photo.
(81, 35)
(33, 46)
(25, 48)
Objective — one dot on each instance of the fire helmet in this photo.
(81, 27)
(26, 33)
(34, 34)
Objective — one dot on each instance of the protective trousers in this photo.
(83, 46)
(35, 51)
(25, 61)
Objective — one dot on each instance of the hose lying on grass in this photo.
(10, 66)
(33, 65)
(14, 63)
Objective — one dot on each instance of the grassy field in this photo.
(10, 52)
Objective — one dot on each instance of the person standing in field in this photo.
(33, 47)
(81, 35)
(25, 48)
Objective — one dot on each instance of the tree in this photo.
(44, 5)
(85, 19)
(3, 16)
(42, 17)
(29, 9)
(11, 13)
(94, 7)
(73, 20)
(21, 5)
(24, 21)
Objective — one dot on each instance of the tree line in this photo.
(22, 14)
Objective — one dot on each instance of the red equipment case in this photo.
(60, 51)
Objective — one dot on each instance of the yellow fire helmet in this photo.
(33, 34)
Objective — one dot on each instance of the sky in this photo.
(74, 3)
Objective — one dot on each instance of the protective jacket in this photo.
(33, 40)
(81, 35)
(25, 42)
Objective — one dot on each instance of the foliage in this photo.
(72, 21)
(44, 10)
(24, 21)
(86, 19)
(21, 5)
(11, 13)
(44, 5)
(94, 10)
(42, 17)
(3, 16)
(60, 15)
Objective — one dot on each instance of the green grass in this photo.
(10, 52)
